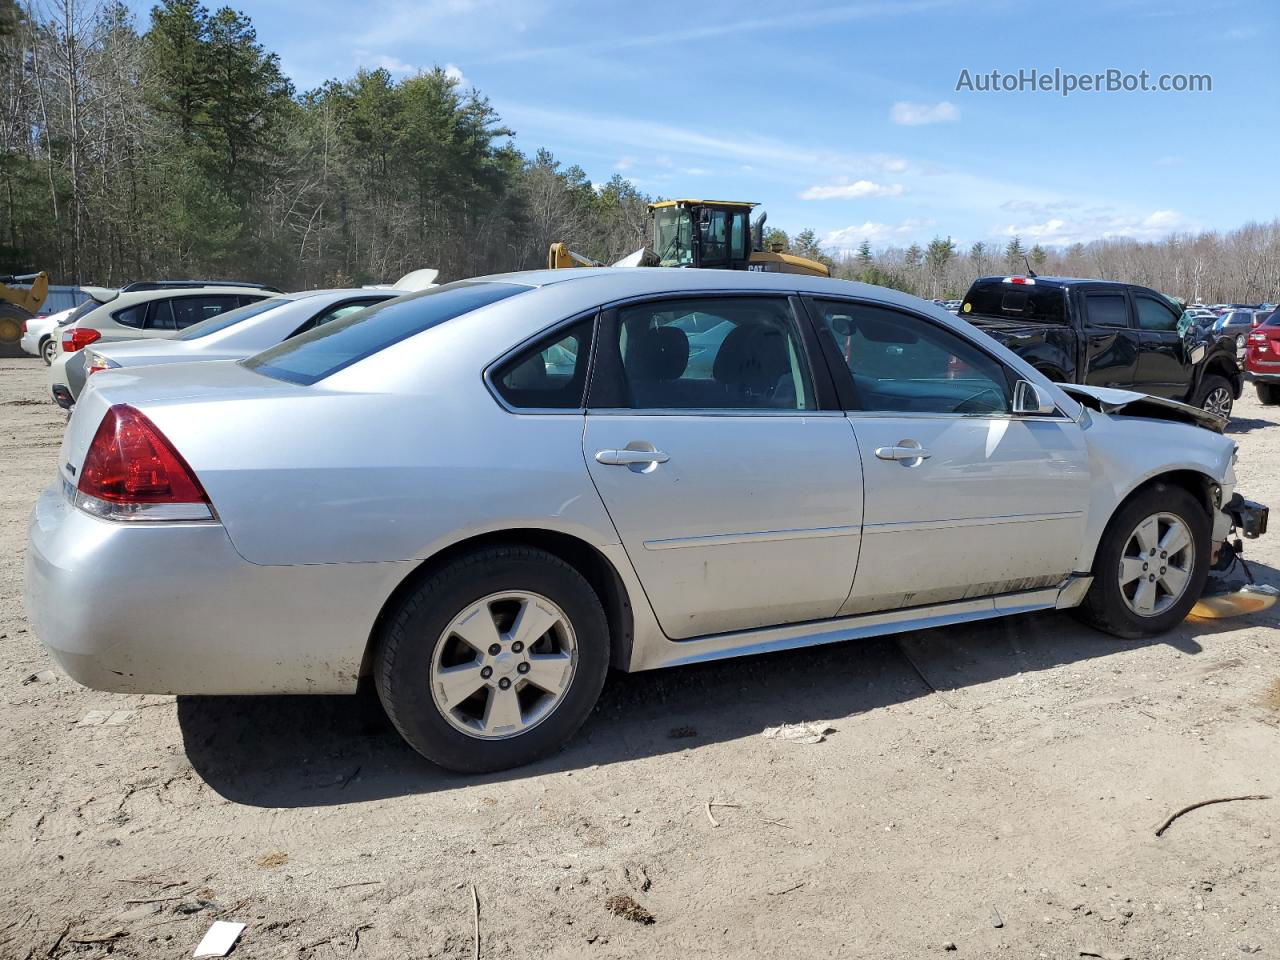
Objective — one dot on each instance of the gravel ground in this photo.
(1010, 813)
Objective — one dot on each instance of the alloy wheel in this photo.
(1218, 402)
(1156, 564)
(503, 665)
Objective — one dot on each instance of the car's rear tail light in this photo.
(132, 472)
(1258, 337)
(96, 363)
(77, 338)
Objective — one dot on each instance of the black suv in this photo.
(1107, 334)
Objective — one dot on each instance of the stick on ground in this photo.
(475, 904)
(1204, 803)
(920, 673)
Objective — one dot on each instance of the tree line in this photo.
(182, 150)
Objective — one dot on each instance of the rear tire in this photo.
(1268, 393)
(12, 317)
(48, 347)
(431, 662)
(1216, 395)
(1124, 564)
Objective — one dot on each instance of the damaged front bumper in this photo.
(1230, 591)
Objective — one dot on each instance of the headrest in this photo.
(658, 354)
(752, 355)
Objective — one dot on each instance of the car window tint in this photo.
(1153, 315)
(904, 363)
(1106, 310)
(230, 318)
(160, 316)
(129, 316)
(551, 374)
(323, 351)
(188, 311)
(736, 353)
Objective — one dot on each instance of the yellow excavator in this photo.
(18, 305)
(704, 234)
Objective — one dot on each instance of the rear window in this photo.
(1273, 320)
(229, 319)
(995, 298)
(324, 350)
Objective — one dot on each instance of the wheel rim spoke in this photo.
(456, 684)
(477, 628)
(550, 672)
(1174, 580)
(1175, 538)
(502, 712)
(1148, 533)
(532, 622)
(1144, 600)
(1131, 568)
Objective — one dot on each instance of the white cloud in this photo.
(1100, 224)
(453, 73)
(625, 163)
(907, 114)
(846, 191)
(385, 62)
(849, 238)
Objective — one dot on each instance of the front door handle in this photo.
(627, 458)
(905, 450)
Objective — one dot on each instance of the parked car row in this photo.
(175, 321)
(480, 497)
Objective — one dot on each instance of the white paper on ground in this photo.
(219, 940)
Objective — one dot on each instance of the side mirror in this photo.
(1197, 353)
(1030, 399)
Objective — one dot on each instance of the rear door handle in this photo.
(626, 458)
(904, 451)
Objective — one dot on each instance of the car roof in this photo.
(620, 282)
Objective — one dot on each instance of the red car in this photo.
(1262, 359)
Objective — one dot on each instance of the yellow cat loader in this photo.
(704, 234)
(17, 306)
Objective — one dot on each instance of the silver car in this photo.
(239, 333)
(484, 496)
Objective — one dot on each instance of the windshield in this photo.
(673, 236)
(229, 319)
(1035, 304)
(324, 350)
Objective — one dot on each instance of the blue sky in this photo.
(846, 117)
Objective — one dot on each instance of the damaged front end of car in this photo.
(1230, 589)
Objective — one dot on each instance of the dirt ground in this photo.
(1010, 814)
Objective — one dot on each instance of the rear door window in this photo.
(724, 353)
(1106, 310)
(325, 350)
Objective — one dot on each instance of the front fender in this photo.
(1126, 453)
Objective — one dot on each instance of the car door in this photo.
(1111, 343)
(963, 499)
(738, 500)
(1164, 362)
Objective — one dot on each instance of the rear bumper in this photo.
(172, 608)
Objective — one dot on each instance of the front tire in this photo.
(1216, 395)
(1151, 564)
(1268, 393)
(495, 660)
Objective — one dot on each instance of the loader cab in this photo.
(702, 234)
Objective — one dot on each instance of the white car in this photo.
(239, 333)
(38, 336)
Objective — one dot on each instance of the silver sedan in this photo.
(484, 496)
